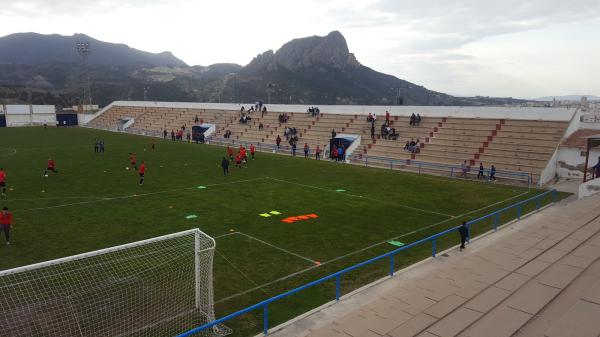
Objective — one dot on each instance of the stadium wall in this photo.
(23, 115)
(524, 113)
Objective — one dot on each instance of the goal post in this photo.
(154, 287)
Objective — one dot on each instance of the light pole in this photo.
(83, 49)
(146, 88)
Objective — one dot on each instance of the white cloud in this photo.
(509, 48)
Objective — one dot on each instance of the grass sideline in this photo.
(95, 203)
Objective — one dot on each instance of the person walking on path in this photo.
(463, 230)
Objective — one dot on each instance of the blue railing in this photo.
(452, 170)
(264, 305)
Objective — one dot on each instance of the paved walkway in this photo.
(536, 277)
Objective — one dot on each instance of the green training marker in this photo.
(396, 243)
(340, 190)
(265, 215)
(201, 187)
(275, 213)
(191, 216)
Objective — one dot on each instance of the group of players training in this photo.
(241, 159)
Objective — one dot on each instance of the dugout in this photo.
(65, 119)
(340, 141)
(2, 121)
(198, 133)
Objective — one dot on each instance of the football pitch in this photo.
(340, 214)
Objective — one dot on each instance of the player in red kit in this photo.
(50, 167)
(2, 181)
(252, 150)
(133, 160)
(142, 171)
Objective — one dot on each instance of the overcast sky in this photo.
(516, 48)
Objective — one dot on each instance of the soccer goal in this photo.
(155, 287)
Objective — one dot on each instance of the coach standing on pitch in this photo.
(6, 223)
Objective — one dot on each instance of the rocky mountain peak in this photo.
(330, 50)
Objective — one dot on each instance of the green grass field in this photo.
(95, 203)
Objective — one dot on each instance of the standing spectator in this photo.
(493, 173)
(318, 153)
(294, 149)
(418, 119)
(6, 223)
(172, 135)
(101, 145)
(96, 146)
(480, 173)
(342, 153)
(372, 132)
(596, 171)
(306, 150)
(225, 166)
(188, 137)
(333, 133)
(165, 134)
(464, 169)
(387, 117)
(2, 181)
(334, 153)
(196, 119)
(463, 230)
(278, 141)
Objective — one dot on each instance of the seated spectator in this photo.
(264, 110)
(370, 117)
(333, 133)
(251, 109)
(407, 146)
(196, 119)
(260, 126)
(374, 117)
(393, 134)
(242, 109)
(383, 131)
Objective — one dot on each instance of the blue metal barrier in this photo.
(420, 165)
(389, 255)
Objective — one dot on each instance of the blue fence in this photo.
(337, 277)
(451, 170)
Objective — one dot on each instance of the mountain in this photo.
(37, 49)
(46, 69)
(573, 98)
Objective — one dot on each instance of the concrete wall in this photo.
(526, 113)
(570, 162)
(23, 115)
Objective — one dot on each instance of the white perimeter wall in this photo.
(529, 113)
(21, 115)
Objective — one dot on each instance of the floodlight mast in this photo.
(84, 50)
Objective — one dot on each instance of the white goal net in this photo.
(156, 287)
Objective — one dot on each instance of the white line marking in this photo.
(242, 273)
(312, 261)
(10, 152)
(362, 197)
(136, 195)
(302, 271)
